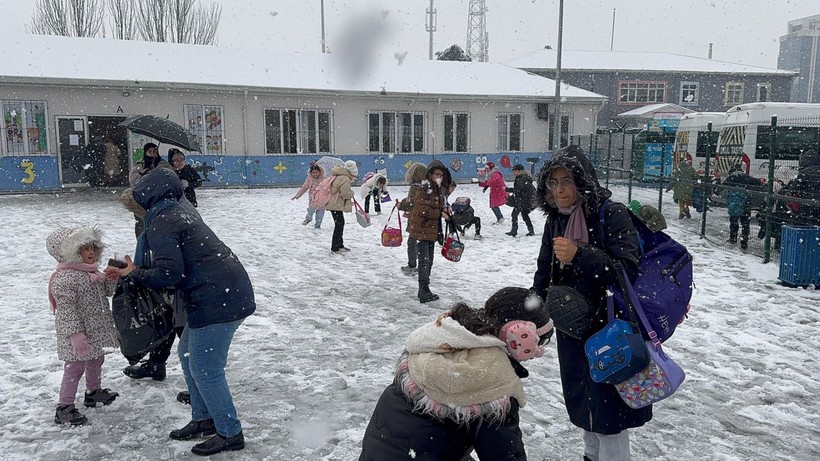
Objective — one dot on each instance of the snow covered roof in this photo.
(650, 110)
(99, 61)
(636, 61)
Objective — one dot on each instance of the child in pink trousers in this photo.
(78, 293)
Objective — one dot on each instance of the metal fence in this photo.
(620, 158)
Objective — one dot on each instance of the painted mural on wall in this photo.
(41, 172)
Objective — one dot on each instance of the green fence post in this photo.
(707, 191)
(767, 242)
(608, 156)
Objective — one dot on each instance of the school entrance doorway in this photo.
(86, 159)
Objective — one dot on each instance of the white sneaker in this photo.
(500, 221)
(478, 237)
(305, 222)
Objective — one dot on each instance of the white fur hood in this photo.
(64, 244)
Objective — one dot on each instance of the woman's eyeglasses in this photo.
(553, 184)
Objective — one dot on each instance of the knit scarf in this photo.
(93, 274)
(576, 230)
(141, 253)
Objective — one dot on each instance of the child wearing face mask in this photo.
(458, 386)
(315, 175)
(78, 293)
(429, 207)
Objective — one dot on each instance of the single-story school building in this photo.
(261, 117)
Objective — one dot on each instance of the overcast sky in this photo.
(743, 31)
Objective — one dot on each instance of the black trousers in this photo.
(161, 352)
(525, 215)
(426, 250)
(337, 241)
(744, 229)
(377, 201)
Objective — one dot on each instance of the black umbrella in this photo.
(163, 130)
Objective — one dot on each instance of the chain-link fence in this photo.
(723, 207)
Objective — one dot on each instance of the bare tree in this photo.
(71, 18)
(122, 21)
(206, 23)
(151, 20)
(180, 21)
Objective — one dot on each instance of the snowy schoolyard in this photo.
(307, 368)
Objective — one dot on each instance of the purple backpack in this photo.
(664, 281)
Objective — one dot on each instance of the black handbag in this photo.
(567, 307)
(143, 317)
(569, 310)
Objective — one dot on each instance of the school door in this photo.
(71, 141)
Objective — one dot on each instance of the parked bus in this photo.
(693, 139)
(746, 138)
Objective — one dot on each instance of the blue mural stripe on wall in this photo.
(277, 170)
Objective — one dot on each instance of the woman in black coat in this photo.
(573, 254)
(458, 385)
(187, 174)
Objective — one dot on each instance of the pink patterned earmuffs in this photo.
(522, 339)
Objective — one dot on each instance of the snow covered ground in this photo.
(307, 368)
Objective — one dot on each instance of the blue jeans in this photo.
(320, 214)
(497, 212)
(203, 353)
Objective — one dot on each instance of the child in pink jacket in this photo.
(314, 177)
(494, 180)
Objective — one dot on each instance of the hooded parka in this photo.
(591, 406)
(186, 254)
(341, 193)
(82, 304)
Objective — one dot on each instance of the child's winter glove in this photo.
(485, 188)
(184, 183)
(80, 344)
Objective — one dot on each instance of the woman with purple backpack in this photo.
(574, 255)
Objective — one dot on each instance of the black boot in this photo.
(217, 444)
(184, 397)
(425, 295)
(194, 429)
(155, 371)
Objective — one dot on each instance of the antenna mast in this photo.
(477, 38)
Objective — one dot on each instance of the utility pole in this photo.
(612, 37)
(430, 26)
(323, 25)
(556, 125)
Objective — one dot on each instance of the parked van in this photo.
(746, 132)
(693, 139)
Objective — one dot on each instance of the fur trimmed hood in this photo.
(64, 244)
(573, 159)
(416, 173)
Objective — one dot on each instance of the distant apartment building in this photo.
(634, 79)
(800, 52)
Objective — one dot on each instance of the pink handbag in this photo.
(391, 236)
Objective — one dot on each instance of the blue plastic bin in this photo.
(800, 255)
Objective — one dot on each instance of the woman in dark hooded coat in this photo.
(572, 254)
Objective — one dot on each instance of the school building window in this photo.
(689, 93)
(205, 124)
(401, 132)
(641, 92)
(733, 93)
(509, 132)
(24, 128)
(763, 91)
(298, 131)
(456, 132)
